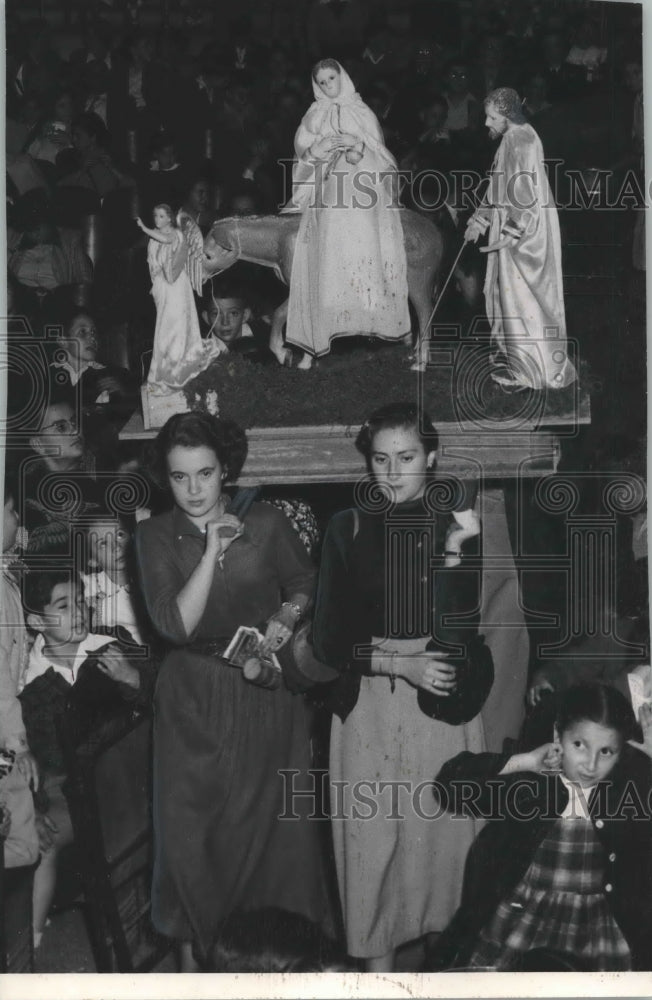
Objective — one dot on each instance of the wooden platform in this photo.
(326, 454)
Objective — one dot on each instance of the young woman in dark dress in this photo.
(220, 742)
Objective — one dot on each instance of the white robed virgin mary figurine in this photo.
(174, 255)
(349, 273)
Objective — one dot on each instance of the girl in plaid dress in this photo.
(566, 863)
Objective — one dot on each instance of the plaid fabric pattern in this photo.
(559, 905)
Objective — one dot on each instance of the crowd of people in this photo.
(128, 570)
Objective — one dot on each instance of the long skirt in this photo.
(400, 859)
(179, 352)
(349, 271)
(225, 838)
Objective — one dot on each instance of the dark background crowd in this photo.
(115, 107)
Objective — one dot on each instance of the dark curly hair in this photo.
(39, 584)
(198, 430)
(508, 103)
(401, 414)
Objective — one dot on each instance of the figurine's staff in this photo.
(419, 364)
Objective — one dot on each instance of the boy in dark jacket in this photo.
(81, 676)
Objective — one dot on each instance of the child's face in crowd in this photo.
(457, 80)
(10, 522)
(64, 618)
(226, 317)
(200, 196)
(59, 436)
(329, 82)
(81, 340)
(435, 116)
(63, 109)
(399, 462)
(634, 77)
(167, 157)
(108, 546)
(243, 205)
(238, 95)
(589, 752)
(82, 140)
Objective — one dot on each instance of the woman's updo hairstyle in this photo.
(393, 415)
(325, 64)
(598, 703)
(200, 430)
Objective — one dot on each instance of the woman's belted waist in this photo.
(209, 647)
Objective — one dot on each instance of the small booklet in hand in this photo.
(246, 644)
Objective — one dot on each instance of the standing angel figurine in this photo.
(175, 255)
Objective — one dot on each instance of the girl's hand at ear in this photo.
(544, 758)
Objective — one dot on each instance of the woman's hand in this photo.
(220, 535)
(279, 630)
(429, 671)
(141, 225)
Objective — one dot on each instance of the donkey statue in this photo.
(270, 240)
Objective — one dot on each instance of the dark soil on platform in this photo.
(356, 378)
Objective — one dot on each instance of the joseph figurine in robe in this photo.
(523, 287)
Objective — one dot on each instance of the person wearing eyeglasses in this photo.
(59, 483)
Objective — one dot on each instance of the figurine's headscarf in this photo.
(508, 104)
